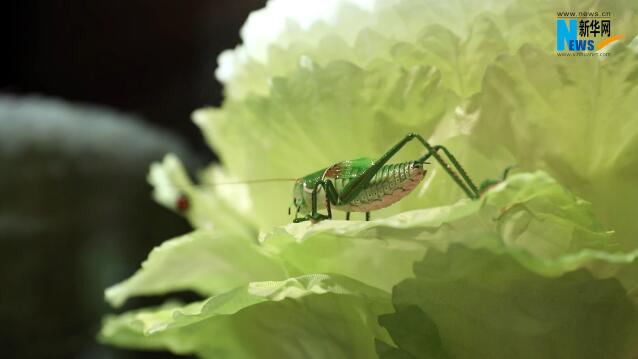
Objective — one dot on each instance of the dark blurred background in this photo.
(75, 221)
(154, 58)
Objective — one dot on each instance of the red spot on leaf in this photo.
(182, 203)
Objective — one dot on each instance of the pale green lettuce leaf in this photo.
(315, 316)
(575, 119)
(276, 37)
(415, 334)
(477, 304)
(529, 217)
(528, 213)
(461, 60)
(203, 261)
(377, 262)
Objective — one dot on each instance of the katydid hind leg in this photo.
(363, 180)
(507, 170)
(459, 176)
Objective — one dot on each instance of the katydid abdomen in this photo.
(390, 184)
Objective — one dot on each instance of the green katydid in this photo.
(365, 185)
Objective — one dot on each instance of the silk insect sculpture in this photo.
(365, 185)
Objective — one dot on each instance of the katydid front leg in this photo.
(330, 198)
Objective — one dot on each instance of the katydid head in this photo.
(302, 192)
(299, 196)
(302, 195)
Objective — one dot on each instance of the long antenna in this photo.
(265, 180)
